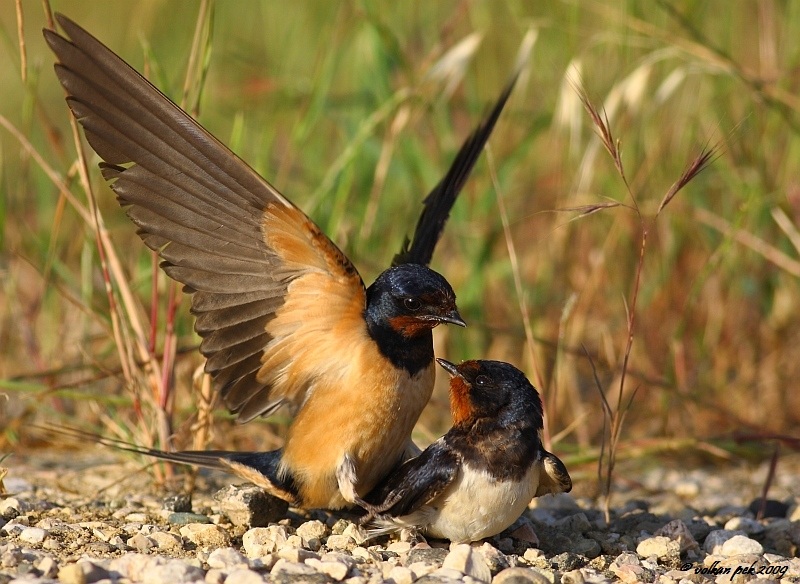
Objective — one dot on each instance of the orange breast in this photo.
(367, 409)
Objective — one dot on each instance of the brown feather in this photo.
(221, 230)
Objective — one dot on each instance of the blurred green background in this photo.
(355, 109)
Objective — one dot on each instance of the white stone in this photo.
(206, 535)
(520, 576)
(659, 546)
(226, 558)
(336, 570)
(467, 561)
(166, 541)
(715, 539)
(33, 535)
(402, 575)
(340, 542)
(261, 541)
(745, 524)
(244, 576)
(678, 531)
(739, 545)
(284, 566)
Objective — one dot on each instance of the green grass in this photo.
(314, 94)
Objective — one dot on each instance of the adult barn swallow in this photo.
(477, 479)
(284, 316)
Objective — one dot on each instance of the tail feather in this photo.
(260, 468)
(439, 202)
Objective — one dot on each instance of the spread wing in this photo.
(440, 200)
(417, 481)
(255, 265)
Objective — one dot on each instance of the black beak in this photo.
(451, 317)
(449, 367)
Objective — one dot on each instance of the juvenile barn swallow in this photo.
(477, 479)
(284, 316)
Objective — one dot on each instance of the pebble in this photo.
(739, 545)
(184, 518)
(226, 558)
(744, 524)
(659, 546)
(677, 530)
(465, 559)
(204, 535)
(250, 506)
(33, 535)
(520, 576)
(716, 538)
(336, 570)
(243, 576)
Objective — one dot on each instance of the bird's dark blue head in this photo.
(411, 299)
(494, 390)
(403, 305)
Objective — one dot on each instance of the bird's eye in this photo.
(412, 304)
(482, 380)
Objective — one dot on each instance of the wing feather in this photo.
(418, 481)
(251, 259)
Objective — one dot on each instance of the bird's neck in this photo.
(412, 353)
(506, 451)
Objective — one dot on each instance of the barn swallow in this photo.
(477, 479)
(284, 316)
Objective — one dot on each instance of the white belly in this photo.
(476, 506)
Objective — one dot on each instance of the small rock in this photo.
(465, 559)
(687, 488)
(184, 518)
(312, 533)
(173, 572)
(585, 546)
(340, 542)
(250, 506)
(525, 532)
(659, 546)
(401, 575)
(716, 538)
(244, 576)
(167, 542)
(226, 558)
(521, 576)
(205, 536)
(141, 543)
(11, 508)
(178, 503)
(136, 517)
(33, 535)
(261, 541)
(739, 545)
(772, 508)
(572, 577)
(744, 524)
(48, 567)
(296, 555)
(577, 523)
(494, 558)
(678, 531)
(294, 568)
(446, 575)
(336, 570)
(399, 547)
(428, 556)
(71, 574)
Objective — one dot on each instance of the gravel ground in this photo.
(70, 520)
